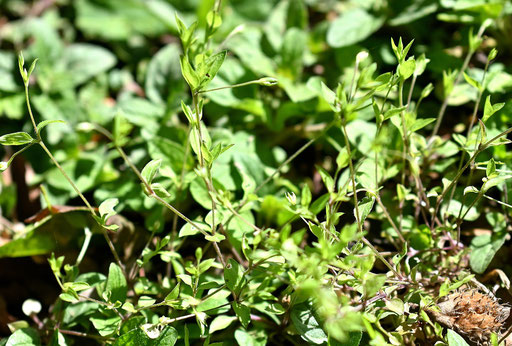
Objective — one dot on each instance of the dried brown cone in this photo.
(472, 314)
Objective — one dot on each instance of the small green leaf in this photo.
(326, 178)
(179, 23)
(116, 284)
(455, 339)
(483, 132)
(215, 238)
(483, 249)
(205, 265)
(221, 322)
(306, 196)
(490, 109)
(209, 68)
(493, 181)
(45, 123)
(365, 207)
(77, 286)
(427, 90)
(24, 337)
(106, 326)
(306, 324)
(213, 20)
(188, 229)
(145, 301)
(21, 63)
(69, 296)
(373, 283)
(234, 276)
(421, 65)
(330, 97)
(16, 138)
(150, 169)
(491, 168)
(406, 69)
(472, 82)
(396, 305)
(217, 300)
(420, 123)
(243, 312)
(448, 82)
(187, 279)
(122, 127)
(188, 73)
(106, 209)
(401, 192)
(470, 189)
(393, 111)
(173, 295)
(32, 67)
(188, 113)
(474, 40)
(447, 287)
(186, 34)
(56, 263)
(160, 191)
(492, 54)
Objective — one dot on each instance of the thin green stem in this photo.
(152, 194)
(390, 219)
(66, 176)
(478, 197)
(70, 181)
(352, 94)
(208, 179)
(480, 149)
(465, 64)
(86, 335)
(85, 246)
(192, 223)
(405, 139)
(108, 305)
(254, 227)
(352, 176)
(498, 201)
(291, 158)
(32, 119)
(257, 81)
(470, 128)
(279, 168)
(409, 97)
(380, 257)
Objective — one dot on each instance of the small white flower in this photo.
(31, 306)
(290, 196)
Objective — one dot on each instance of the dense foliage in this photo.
(255, 172)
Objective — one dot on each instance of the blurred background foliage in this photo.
(98, 58)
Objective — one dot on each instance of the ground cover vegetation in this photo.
(255, 172)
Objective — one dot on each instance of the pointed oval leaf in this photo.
(116, 284)
(45, 123)
(210, 67)
(106, 208)
(16, 138)
(150, 169)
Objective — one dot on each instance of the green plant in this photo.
(216, 233)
